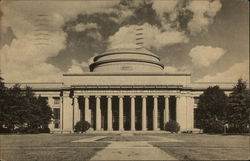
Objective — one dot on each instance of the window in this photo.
(56, 113)
(196, 100)
(56, 100)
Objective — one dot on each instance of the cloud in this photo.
(203, 14)
(152, 36)
(166, 7)
(112, 21)
(26, 61)
(25, 58)
(77, 67)
(238, 70)
(82, 27)
(205, 55)
(162, 7)
(27, 54)
(172, 69)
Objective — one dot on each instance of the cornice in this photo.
(126, 74)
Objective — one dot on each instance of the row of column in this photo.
(132, 115)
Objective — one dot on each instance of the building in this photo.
(126, 89)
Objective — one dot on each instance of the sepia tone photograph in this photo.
(124, 80)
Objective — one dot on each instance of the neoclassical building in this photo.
(125, 90)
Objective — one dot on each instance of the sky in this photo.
(41, 40)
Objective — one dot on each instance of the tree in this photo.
(211, 112)
(13, 108)
(239, 107)
(3, 108)
(22, 110)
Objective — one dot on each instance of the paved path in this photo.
(90, 139)
(131, 151)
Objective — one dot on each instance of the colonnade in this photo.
(184, 111)
(87, 112)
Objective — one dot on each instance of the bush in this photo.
(44, 130)
(4, 130)
(172, 126)
(213, 126)
(82, 126)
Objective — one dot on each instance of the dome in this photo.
(132, 59)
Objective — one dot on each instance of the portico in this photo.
(130, 109)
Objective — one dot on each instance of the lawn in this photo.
(39, 147)
(206, 147)
(50, 147)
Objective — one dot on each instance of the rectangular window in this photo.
(196, 100)
(56, 113)
(56, 100)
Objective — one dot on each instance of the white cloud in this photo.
(26, 56)
(172, 69)
(203, 14)
(163, 7)
(21, 16)
(152, 36)
(26, 61)
(82, 27)
(77, 67)
(205, 55)
(238, 70)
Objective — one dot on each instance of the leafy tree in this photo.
(13, 108)
(239, 107)
(22, 110)
(3, 96)
(211, 110)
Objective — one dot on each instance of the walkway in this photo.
(137, 150)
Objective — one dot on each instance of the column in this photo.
(76, 110)
(181, 112)
(191, 113)
(98, 113)
(144, 113)
(132, 125)
(166, 110)
(109, 113)
(61, 113)
(155, 113)
(121, 113)
(178, 98)
(67, 113)
(86, 109)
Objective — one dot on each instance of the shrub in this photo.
(172, 126)
(213, 126)
(44, 130)
(82, 126)
(4, 130)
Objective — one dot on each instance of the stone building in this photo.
(126, 89)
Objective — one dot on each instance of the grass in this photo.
(52, 147)
(39, 147)
(206, 147)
